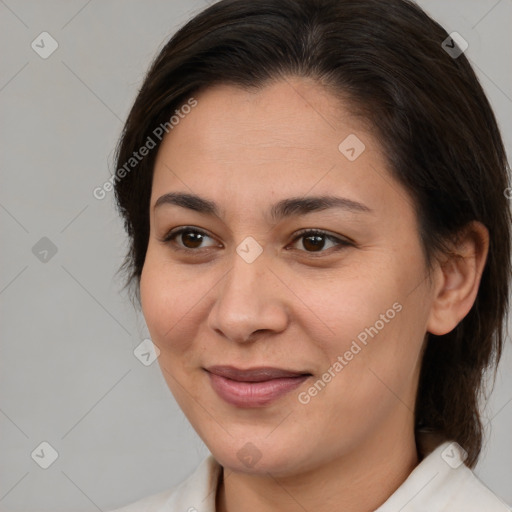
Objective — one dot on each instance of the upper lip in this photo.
(259, 374)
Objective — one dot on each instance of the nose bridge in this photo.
(245, 302)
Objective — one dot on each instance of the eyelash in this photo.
(301, 234)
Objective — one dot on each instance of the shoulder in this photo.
(442, 483)
(197, 492)
(469, 493)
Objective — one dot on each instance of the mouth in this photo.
(253, 387)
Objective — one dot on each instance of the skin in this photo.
(295, 307)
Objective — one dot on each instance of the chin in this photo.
(260, 457)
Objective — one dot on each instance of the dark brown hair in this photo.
(432, 119)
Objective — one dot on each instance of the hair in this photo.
(431, 117)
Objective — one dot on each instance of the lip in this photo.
(253, 387)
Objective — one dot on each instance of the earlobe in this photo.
(457, 279)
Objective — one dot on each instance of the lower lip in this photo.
(253, 394)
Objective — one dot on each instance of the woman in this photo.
(320, 243)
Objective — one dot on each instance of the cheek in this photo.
(154, 298)
(381, 362)
(366, 379)
(344, 305)
(173, 304)
(164, 299)
(371, 326)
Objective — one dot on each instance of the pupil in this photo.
(194, 238)
(317, 244)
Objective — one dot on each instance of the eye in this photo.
(191, 238)
(314, 241)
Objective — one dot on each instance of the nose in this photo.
(250, 299)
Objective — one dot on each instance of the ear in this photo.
(457, 279)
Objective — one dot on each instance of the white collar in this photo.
(439, 483)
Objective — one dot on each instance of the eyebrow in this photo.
(284, 208)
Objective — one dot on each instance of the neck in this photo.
(359, 481)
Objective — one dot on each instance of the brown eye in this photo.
(314, 241)
(191, 238)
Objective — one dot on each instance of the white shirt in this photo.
(439, 483)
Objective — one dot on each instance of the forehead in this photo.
(278, 141)
(291, 113)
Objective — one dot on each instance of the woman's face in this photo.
(346, 310)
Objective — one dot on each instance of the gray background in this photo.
(68, 374)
